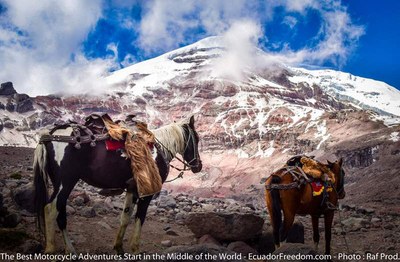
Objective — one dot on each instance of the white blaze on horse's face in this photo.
(59, 147)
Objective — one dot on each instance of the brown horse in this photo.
(292, 196)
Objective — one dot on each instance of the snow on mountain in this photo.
(362, 92)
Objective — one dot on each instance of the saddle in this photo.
(312, 168)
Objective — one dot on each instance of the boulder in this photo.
(230, 227)
(7, 89)
(296, 233)
(24, 196)
(265, 243)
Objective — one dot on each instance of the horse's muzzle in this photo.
(197, 168)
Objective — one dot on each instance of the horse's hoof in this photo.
(50, 251)
(135, 249)
(119, 250)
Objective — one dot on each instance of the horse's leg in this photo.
(62, 214)
(124, 221)
(328, 219)
(140, 216)
(50, 214)
(315, 225)
(275, 218)
(288, 219)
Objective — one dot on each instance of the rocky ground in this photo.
(174, 220)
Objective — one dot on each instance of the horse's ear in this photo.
(191, 122)
(329, 162)
(340, 161)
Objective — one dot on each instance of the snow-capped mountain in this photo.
(252, 114)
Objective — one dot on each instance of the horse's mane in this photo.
(172, 137)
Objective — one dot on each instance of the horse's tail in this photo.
(40, 170)
(276, 209)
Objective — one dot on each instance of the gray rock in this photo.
(104, 225)
(187, 208)
(207, 207)
(78, 201)
(12, 220)
(70, 210)
(231, 227)
(241, 247)
(166, 243)
(296, 233)
(167, 202)
(354, 223)
(7, 89)
(101, 207)
(24, 196)
(375, 220)
(31, 247)
(23, 103)
(171, 232)
(265, 243)
(8, 124)
(88, 212)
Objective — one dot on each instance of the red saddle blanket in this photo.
(113, 145)
(318, 188)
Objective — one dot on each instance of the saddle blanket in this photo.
(113, 145)
(318, 188)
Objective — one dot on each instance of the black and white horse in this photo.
(64, 166)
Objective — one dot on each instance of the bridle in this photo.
(340, 187)
(187, 165)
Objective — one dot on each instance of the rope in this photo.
(179, 176)
(283, 186)
(341, 224)
(343, 231)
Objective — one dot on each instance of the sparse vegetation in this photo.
(16, 175)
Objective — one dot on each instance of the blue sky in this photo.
(51, 46)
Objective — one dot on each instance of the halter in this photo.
(340, 187)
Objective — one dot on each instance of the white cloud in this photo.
(290, 21)
(168, 24)
(41, 41)
(240, 41)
